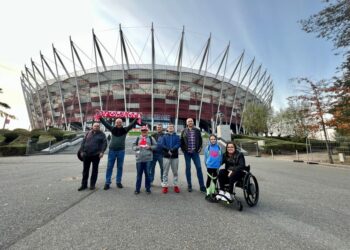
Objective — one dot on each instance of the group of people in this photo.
(162, 148)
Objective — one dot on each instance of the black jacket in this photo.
(235, 163)
(94, 144)
(198, 140)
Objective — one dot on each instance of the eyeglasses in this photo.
(230, 147)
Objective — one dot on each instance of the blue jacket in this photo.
(170, 142)
(213, 156)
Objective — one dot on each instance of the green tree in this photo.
(6, 106)
(255, 118)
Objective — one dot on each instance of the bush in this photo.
(36, 133)
(57, 133)
(3, 131)
(280, 147)
(21, 131)
(13, 150)
(10, 136)
(69, 136)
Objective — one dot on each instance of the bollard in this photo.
(272, 154)
(341, 158)
(297, 155)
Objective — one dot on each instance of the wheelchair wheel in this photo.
(251, 190)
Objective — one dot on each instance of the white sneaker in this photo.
(219, 196)
(228, 196)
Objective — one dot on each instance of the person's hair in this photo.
(170, 124)
(211, 135)
(160, 124)
(230, 143)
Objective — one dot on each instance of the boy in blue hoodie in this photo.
(212, 158)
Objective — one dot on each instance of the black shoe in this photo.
(189, 189)
(119, 185)
(106, 187)
(136, 192)
(203, 190)
(82, 188)
(92, 188)
(148, 191)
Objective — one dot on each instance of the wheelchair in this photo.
(250, 187)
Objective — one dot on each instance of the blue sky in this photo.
(266, 29)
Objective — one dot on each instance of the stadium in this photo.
(65, 92)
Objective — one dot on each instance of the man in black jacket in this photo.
(91, 150)
(191, 145)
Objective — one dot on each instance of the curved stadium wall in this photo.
(71, 100)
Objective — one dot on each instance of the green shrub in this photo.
(21, 131)
(69, 136)
(57, 133)
(36, 133)
(3, 131)
(10, 136)
(13, 150)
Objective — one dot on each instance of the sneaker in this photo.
(82, 188)
(189, 189)
(219, 196)
(203, 190)
(136, 192)
(106, 187)
(119, 185)
(164, 190)
(228, 196)
(92, 188)
(176, 189)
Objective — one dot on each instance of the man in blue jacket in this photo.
(170, 144)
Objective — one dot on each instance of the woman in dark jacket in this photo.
(234, 164)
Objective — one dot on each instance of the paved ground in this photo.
(301, 207)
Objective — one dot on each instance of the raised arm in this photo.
(106, 124)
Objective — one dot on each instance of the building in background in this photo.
(63, 92)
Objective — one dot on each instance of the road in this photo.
(301, 207)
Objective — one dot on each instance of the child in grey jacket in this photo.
(143, 146)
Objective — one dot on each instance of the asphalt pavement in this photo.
(301, 207)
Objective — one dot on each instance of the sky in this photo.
(265, 29)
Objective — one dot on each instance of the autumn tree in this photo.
(317, 105)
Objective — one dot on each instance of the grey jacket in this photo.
(143, 154)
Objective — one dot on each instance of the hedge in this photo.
(13, 150)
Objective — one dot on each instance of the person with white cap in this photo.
(143, 146)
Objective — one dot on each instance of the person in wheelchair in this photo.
(234, 164)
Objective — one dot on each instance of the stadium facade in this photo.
(162, 93)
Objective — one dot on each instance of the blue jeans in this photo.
(112, 156)
(143, 167)
(197, 162)
(159, 158)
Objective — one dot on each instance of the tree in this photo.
(314, 95)
(332, 23)
(6, 106)
(255, 118)
(340, 109)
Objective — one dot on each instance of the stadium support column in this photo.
(206, 55)
(179, 69)
(42, 75)
(237, 89)
(222, 81)
(27, 101)
(76, 84)
(153, 63)
(38, 95)
(123, 52)
(29, 88)
(246, 94)
(257, 84)
(262, 87)
(97, 71)
(60, 86)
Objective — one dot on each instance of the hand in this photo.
(81, 154)
(170, 153)
(101, 155)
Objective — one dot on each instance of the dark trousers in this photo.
(225, 179)
(143, 167)
(95, 160)
(214, 173)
